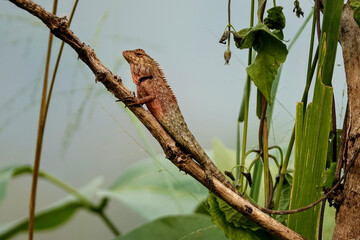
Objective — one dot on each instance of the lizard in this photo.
(154, 91)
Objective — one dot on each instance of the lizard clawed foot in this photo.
(130, 101)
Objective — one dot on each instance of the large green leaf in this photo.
(224, 157)
(54, 215)
(330, 31)
(312, 131)
(275, 18)
(184, 227)
(234, 224)
(155, 189)
(271, 52)
(311, 140)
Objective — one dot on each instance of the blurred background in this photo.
(82, 139)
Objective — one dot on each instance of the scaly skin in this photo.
(153, 90)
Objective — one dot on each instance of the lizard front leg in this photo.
(141, 101)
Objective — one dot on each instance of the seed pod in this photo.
(227, 56)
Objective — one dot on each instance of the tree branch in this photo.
(113, 83)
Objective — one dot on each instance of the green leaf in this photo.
(329, 222)
(257, 176)
(47, 219)
(202, 208)
(275, 18)
(184, 227)
(170, 191)
(54, 215)
(224, 157)
(330, 175)
(279, 34)
(330, 33)
(278, 75)
(331, 146)
(311, 144)
(234, 224)
(355, 4)
(284, 198)
(357, 16)
(271, 52)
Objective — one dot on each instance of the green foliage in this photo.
(312, 131)
(311, 140)
(202, 208)
(331, 146)
(330, 175)
(271, 52)
(257, 176)
(330, 31)
(45, 220)
(184, 227)
(275, 18)
(355, 5)
(54, 215)
(224, 157)
(170, 191)
(234, 224)
(284, 197)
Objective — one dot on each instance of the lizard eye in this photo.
(139, 52)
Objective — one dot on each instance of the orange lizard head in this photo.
(141, 64)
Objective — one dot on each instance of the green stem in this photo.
(109, 223)
(246, 111)
(229, 24)
(275, 160)
(281, 153)
(263, 144)
(246, 118)
(254, 162)
(310, 73)
(237, 162)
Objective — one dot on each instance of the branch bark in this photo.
(113, 83)
(348, 214)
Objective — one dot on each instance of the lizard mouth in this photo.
(127, 56)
